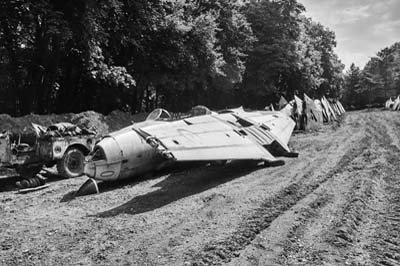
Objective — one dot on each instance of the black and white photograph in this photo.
(199, 133)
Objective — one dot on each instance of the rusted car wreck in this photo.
(62, 144)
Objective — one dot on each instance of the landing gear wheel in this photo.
(71, 165)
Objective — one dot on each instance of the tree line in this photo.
(376, 82)
(134, 55)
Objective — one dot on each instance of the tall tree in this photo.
(69, 56)
(332, 77)
(351, 97)
(380, 77)
(276, 25)
(309, 74)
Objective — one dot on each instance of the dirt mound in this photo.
(118, 119)
(23, 123)
(90, 119)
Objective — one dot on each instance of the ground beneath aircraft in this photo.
(337, 204)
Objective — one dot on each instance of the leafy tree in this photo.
(389, 65)
(310, 70)
(332, 77)
(135, 55)
(274, 59)
(372, 83)
(380, 77)
(50, 52)
(352, 87)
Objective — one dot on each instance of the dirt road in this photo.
(337, 204)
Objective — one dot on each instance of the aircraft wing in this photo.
(329, 108)
(205, 138)
(312, 110)
(341, 106)
(272, 130)
(278, 123)
(299, 105)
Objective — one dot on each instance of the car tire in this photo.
(71, 164)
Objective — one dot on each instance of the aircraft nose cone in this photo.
(89, 187)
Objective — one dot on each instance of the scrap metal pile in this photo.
(163, 139)
(393, 104)
(232, 134)
(310, 114)
(63, 129)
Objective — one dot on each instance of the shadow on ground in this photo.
(112, 185)
(8, 181)
(180, 185)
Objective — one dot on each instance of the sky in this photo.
(362, 27)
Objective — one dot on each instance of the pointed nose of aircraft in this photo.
(89, 187)
(104, 163)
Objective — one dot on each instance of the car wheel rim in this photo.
(74, 163)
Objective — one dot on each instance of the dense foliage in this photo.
(379, 80)
(134, 55)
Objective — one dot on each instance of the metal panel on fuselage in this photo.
(280, 125)
(109, 168)
(206, 138)
(137, 156)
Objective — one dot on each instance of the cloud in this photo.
(362, 27)
(348, 58)
(352, 14)
(387, 27)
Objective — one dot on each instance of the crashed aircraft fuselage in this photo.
(121, 155)
(149, 146)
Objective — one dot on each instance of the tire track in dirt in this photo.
(296, 252)
(350, 233)
(279, 178)
(385, 244)
(300, 251)
(223, 251)
(346, 232)
(293, 246)
(368, 209)
(385, 249)
(372, 230)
